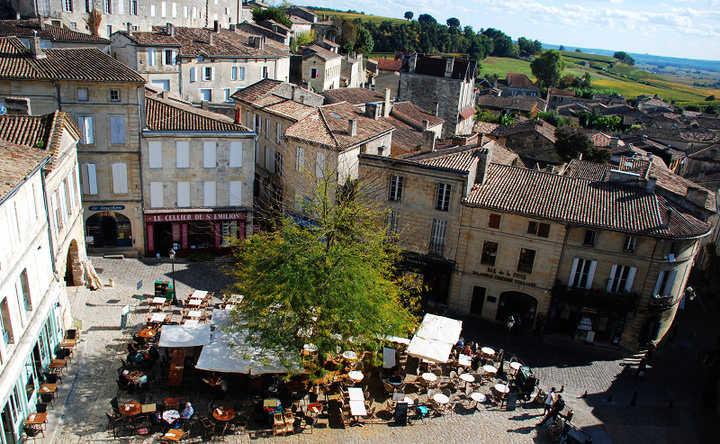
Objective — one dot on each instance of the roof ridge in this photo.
(191, 109)
(327, 126)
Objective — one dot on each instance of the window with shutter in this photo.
(89, 178)
(119, 174)
(621, 279)
(192, 75)
(396, 188)
(494, 221)
(300, 162)
(278, 163)
(241, 73)
(117, 129)
(236, 154)
(233, 73)
(155, 154)
(269, 159)
(442, 200)
(437, 237)
(156, 195)
(235, 193)
(183, 194)
(151, 53)
(209, 191)
(582, 274)
(526, 260)
(85, 123)
(320, 164)
(267, 128)
(121, 7)
(278, 133)
(209, 150)
(82, 94)
(182, 154)
(489, 253)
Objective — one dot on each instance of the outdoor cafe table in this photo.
(158, 318)
(355, 394)
(357, 408)
(198, 294)
(235, 299)
(350, 355)
(58, 364)
(194, 314)
(147, 333)
(429, 377)
(36, 418)
(174, 435)
(314, 408)
(489, 369)
(294, 386)
(477, 397)
(191, 322)
(170, 416)
(356, 375)
(48, 388)
(195, 302)
(223, 414)
(487, 351)
(131, 408)
(441, 398)
(468, 378)
(158, 302)
(515, 366)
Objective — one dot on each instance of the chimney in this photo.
(231, 27)
(449, 64)
(372, 110)
(387, 105)
(650, 186)
(666, 218)
(36, 48)
(18, 106)
(261, 42)
(238, 116)
(170, 30)
(203, 105)
(429, 140)
(696, 196)
(437, 109)
(352, 127)
(216, 26)
(425, 124)
(484, 159)
(614, 142)
(129, 28)
(163, 94)
(211, 38)
(412, 64)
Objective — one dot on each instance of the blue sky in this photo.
(681, 28)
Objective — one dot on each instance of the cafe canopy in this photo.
(229, 352)
(435, 338)
(178, 336)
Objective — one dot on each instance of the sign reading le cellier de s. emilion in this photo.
(193, 217)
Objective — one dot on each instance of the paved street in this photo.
(79, 414)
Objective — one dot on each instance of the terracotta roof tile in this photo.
(353, 96)
(584, 202)
(26, 29)
(414, 114)
(80, 64)
(503, 155)
(41, 132)
(164, 115)
(458, 159)
(328, 126)
(257, 90)
(16, 164)
(522, 103)
(319, 51)
(519, 81)
(389, 65)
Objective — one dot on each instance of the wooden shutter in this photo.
(209, 149)
(117, 129)
(235, 194)
(236, 154)
(611, 281)
(182, 152)
(630, 279)
(591, 274)
(183, 194)
(155, 154)
(156, 195)
(659, 282)
(119, 174)
(571, 281)
(209, 192)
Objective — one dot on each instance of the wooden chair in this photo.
(48, 399)
(114, 422)
(289, 423)
(278, 424)
(33, 432)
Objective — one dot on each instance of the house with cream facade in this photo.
(41, 226)
(104, 98)
(321, 68)
(201, 64)
(198, 172)
(601, 254)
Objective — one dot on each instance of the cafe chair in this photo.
(41, 408)
(47, 398)
(33, 432)
(115, 423)
(207, 428)
(278, 424)
(53, 378)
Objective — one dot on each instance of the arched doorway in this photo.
(519, 305)
(73, 269)
(109, 229)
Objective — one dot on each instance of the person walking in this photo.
(557, 407)
(549, 400)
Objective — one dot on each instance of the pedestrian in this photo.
(550, 400)
(641, 369)
(650, 351)
(557, 407)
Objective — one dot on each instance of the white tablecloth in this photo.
(357, 408)
(355, 394)
(157, 317)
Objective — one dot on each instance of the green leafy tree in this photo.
(561, 48)
(502, 43)
(571, 144)
(276, 13)
(409, 15)
(624, 57)
(363, 41)
(332, 284)
(548, 67)
(426, 18)
(528, 46)
(453, 22)
(710, 98)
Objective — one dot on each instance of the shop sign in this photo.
(193, 217)
(106, 207)
(506, 276)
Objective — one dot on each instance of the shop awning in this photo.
(175, 336)
(435, 338)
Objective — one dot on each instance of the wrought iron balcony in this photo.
(595, 297)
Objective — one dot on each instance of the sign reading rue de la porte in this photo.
(193, 217)
(506, 276)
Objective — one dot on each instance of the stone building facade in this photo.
(452, 83)
(41, 227)
(104, 98)
(133, 14)
(200, 64)
(321, 68)
(197, 179)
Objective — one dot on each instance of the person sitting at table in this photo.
(125, 381)
(395, 377)
(185, 415)
(467, 350)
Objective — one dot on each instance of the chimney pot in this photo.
(387, 105)
(170, 29)
(211, 38)
(216, 26)
(352, 127)
(426, 124)
(36, 47)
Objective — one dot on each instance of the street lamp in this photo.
(172, 258)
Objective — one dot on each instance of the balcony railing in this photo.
(596, 297)
(658, 302)
(436, 248)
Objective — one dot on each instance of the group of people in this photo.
(554, 405)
